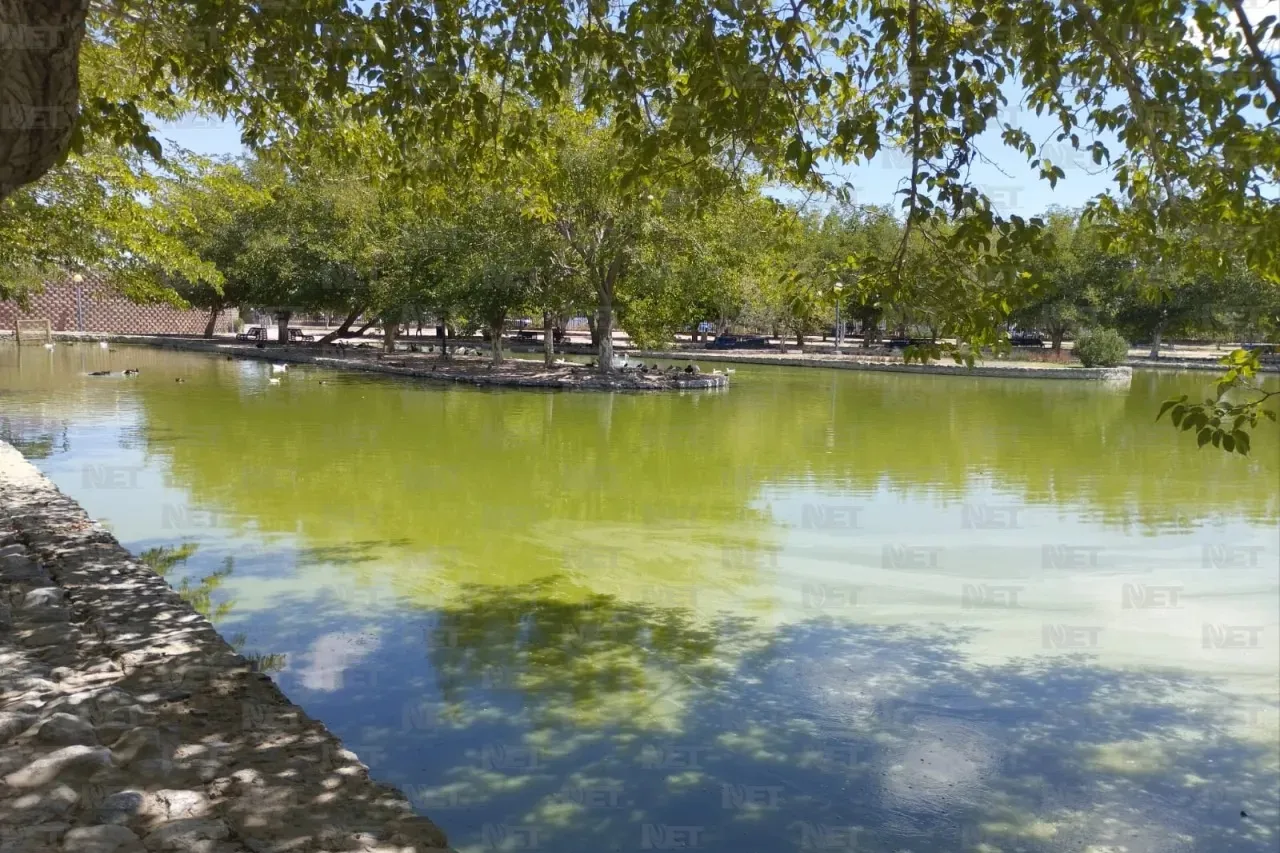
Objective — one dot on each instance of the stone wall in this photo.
(95, 307)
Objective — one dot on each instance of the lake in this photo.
(820, 610)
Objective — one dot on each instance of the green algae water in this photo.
(817, 611)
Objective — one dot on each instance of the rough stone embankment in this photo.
(127, 725)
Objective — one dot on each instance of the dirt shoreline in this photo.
(461, 370)
(127, 724)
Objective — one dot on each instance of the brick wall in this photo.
(94, 307)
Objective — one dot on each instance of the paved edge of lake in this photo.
(1003, 371)
(470, 372)
(127, 723)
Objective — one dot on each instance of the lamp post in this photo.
(839, 331)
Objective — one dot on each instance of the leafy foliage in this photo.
(1101, 348)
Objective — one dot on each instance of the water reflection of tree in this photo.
(589, 659)
(164, 559)
(889, 728)
(35, 443)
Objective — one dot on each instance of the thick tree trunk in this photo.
(282, 325)
(1055, 339)
(1156, 338)
(344, 328)
(548, 340)
(212, 325)
(604, 332)
(39, 85)
(390, 331)
(495, 341)
(595, 332)
(800, 341)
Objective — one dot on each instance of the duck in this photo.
(273, 381)
(131, 371)
(48, 346)
(100, 373)
(229, 358)
(729, 371)
(324, 381)
(103, 345)
(279, 368)
(260, 346)
(179, 379)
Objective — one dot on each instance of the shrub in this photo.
(1101, 348)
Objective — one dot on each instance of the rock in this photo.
(101, 839)
(13, 724)
(175, 804)
(66, 762)
(188, 836)
(137, 744)
(13, 550)
(44, 806)
(66, 730)
(120, 808)
(35, 839)
(44, 597)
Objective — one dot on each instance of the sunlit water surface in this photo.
(820, 610)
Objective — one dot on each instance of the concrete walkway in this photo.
(128, 725)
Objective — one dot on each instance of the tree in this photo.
(96, 212)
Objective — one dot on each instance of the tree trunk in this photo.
(595, 332)
(1156, 337)
(344, 328)
(40, 93)
(390, 331)
(604, 332)
(282, 325)
(495, 341)
(442, 332)
(1055, 339)
(213, 321)
(548, 340)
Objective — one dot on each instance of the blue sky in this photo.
(1011, 185)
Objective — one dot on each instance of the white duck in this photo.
(48, 346)
(102, 345)
(279, 368)
(273, 381)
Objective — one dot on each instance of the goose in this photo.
(273, 381)
(102, 345)
(729, 371)
(279, 368)
(48, 346)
